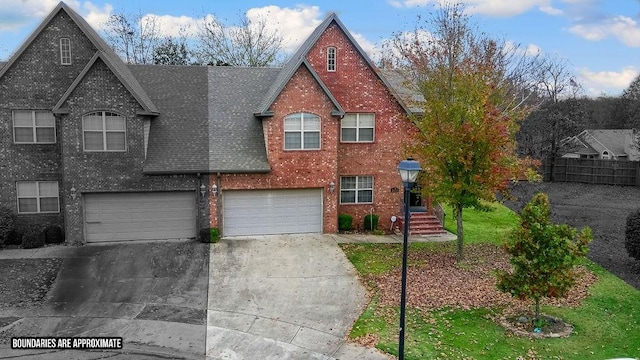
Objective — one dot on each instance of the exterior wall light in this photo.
(214, 190)
(203, 190)
(332, 187)
(74, 193)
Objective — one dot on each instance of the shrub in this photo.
(345, 222)
(33, 238)
(7, 224)
(214, 235)
(543, 255)
(209, 235)
(15, 238)
(371, 222)
(632, 235)
(53, 234)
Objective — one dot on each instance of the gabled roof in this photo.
(107, 55)
(283, 78)
(299, 58)
(595, 141)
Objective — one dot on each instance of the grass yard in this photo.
(459, 322)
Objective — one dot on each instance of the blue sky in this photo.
(600, 39)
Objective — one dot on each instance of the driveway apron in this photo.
(282, 297)
(153, 295)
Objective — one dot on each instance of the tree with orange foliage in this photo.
(475, 91)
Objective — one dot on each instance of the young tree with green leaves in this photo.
(543, 255)
(475, 91)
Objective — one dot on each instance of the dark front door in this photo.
(415, 198)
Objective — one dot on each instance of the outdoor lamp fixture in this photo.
(332, 187)
(203, 190)
(214, 189)
(74, 193)
(409, 170)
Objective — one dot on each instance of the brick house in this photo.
(111, 151)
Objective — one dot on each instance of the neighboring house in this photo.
(602, 144)
(111, 151)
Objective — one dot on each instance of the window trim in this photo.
(357, 190)
(38, 197)
(358, 127)
(34, 127)
(332, 58)
(104, 131)
(301, 132)
(65, 51)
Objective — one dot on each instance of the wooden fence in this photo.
(593, 171)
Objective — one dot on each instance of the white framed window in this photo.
(34, 127)
(302, 132)
(104, 131)
(357, 128)
(606, 155)
(37, 197)
(331, 59)
(65, 51)
(356, 189)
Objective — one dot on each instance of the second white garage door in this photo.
(266, 212)
(139, 216)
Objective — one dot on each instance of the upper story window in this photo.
(104, 131)
(302, 132)
(65, 51)
(356, 189)
(34, 127)
(357, 128)
(37, 197)
(331, 59)
(606, 155)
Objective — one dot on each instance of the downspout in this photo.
(219, 204)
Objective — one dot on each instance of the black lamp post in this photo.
(409, 170)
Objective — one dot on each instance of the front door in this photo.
(415, 198)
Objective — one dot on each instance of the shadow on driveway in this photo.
(153, 295)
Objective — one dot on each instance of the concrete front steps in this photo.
(422, 223)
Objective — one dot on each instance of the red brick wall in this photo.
(358, 89)
(294, 169)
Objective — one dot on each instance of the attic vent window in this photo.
(65, 51)
(331, 59)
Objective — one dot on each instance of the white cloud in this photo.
(370, 48)
(623, 28)
(550, 10)
(95, 16)
(15, 14)
(294, 24)
(174, 26)
(611, 83)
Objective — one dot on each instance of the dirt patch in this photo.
(26, 282)
(604, 208)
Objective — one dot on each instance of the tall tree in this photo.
(630, 108)
(251, 43)
(555, 82)
(475, 91)
(133, 37)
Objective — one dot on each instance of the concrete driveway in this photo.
(153, 295)
(283, 297)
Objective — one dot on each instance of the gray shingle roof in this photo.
(178, 137)
(236, 138)
(206, 122)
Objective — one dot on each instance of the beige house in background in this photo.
(618, 144)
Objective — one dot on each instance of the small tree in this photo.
(542, 254)
(632, 235)
(7, 224)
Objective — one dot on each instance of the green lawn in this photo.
(607, 323)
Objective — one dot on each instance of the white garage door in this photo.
(264, 212)
(139, 216)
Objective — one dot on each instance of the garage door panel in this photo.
(139, 216)
(272, 212)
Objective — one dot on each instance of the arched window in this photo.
(65, 51)
(606, 155)
(104, 131)
(302, 132)
(331, 59)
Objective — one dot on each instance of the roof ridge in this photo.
(116, 63)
